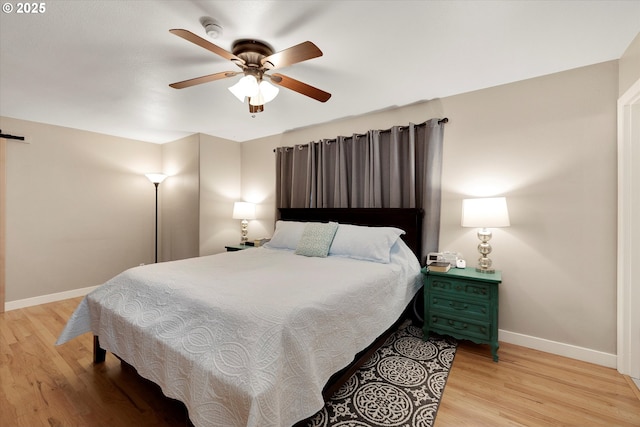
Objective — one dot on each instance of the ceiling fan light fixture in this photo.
(268, 91)
(245, 87)
(257, 99)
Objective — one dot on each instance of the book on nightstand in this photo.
(440, 267)
(260, 242)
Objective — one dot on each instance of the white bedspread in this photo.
(246, 338)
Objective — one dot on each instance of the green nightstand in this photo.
(462, 303)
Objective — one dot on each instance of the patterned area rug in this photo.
(400, 385)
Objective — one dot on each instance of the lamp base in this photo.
(484, 262)
(243, 230)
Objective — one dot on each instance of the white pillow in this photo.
(316, 239)
(286, 235)
(366, 243)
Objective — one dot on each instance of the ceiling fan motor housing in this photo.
(251, 52)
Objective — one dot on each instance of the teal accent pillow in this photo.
(316, 239)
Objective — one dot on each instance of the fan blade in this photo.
(189, 36)
(298, 86)
(203, 79)
(298, 53)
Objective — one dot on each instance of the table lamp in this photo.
(485, 213)
(244, 211)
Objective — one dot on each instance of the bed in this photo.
(260, 337)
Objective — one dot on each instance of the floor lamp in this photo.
(156, 179)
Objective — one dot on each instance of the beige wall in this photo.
(219, 188)
(197, 197)
(259, 183)
(630, 65)
(547, 144)
(79, 208)
(180, 199)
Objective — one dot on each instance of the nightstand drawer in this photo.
(459, 327)
(472, 289)
(448, 303)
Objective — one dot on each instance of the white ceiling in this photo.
(105, 66)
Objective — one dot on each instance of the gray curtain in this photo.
(396, 168)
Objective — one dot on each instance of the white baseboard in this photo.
(44, 299)
(561, 349)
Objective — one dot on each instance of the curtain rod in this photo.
(440, 122)
(7, 136)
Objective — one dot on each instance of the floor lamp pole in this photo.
(156, 178)
(156, 184)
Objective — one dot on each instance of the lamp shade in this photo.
(246, 86)
(259, 93)
(485, 213)
(156, 178)
(244, 210)
(268, 91)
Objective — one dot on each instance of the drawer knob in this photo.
(456, 305)
(459, 326)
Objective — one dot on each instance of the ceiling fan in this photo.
(255, 59)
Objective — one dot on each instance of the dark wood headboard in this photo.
(407, 219)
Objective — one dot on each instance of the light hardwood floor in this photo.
(43, 385)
